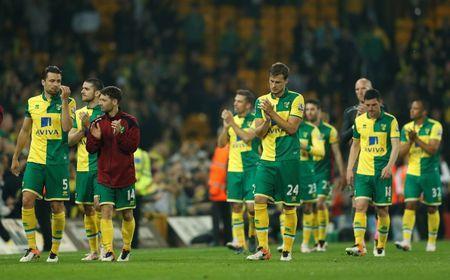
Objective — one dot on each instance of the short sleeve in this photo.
(395, 133)
(258, 111)
(333, 136)
(403, 135)
(436, 132)
(72, 108)
(74, 123)
(298, 107)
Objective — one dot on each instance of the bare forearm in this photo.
(66, 121)
(338, 157)
(404, 149)
(430, 149)
(22, 140)
(244, 135)
(283, 124)
(223, 138)
(262, 130)
(354, 151)
(394, 155)
(75, 137)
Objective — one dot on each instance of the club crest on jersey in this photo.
(58, 107)
(427, 131)
(36, 106)
(383, 127)
(46, 121)
(373, 140)
(301, 107)
(286, 104)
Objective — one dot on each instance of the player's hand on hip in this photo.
(96, 131)
(15, 167)
(350, 177)
(386, 173)
(65, 92)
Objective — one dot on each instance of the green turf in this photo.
(220, 263)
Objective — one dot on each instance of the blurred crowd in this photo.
(154, 53)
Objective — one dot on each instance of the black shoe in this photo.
(124, 256)
(252, 244)
(239, 250)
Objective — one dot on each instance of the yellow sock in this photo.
(315, 228)
(127, 233)
(282, 219)
(107, 235)
(262, 225)
(433, 227)
(383, 230)
(290, 229)
(29, 225)
(322, 217)
(251, 225)
(90, 226)
(58, 224)
(409, 219)
(307, 227)
(98, 221)
(359, 227)
(237, 222)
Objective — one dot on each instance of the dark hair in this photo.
(249, 96)
(97, 83)
(425, 104)
(112, 92)
(371, 94)
(279, 68)
(50, 69)
(315, 102)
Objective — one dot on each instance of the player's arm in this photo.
(22, 140)
(347, 128)
(94, 137)
(354, 153)
(435, 140)
(67, 110)
(395, 147)
(262, 126)
(76, 133)
(246, 135)
(405, 143)
(128, 139)
(290, 126)
(338, 157)
(224, 137)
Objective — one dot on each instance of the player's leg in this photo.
(33, 180)
(382, 201)
(315, 227)
(251, 227)
(265, 180)
(98, 214)
(412, 195)
(58, 225)
(235, 196)
(308, 218)
(432, 193)
(364, 190)
(107, 199)
(323, 220)
(126, 202)
(85, 197)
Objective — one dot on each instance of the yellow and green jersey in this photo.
(329, 136)
(375, 139)
(277, 144)
(85, 160)
(420, 162)
(143, 172)
(309, 135)
(243, 155)
(49, 143)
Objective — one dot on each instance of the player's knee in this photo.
(28, 200)
(321, 204)
(432, 209)
(383, 211)
(237, 207)
(361, 206)
(127, 215)
(411, 205)
(260, 199)
(57, 207)
(89, 210)
(307, 208)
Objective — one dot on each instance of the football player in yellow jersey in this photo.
(48, 119)
(278, 115)
(420, 140)
(86, 179)
(376, 141)
(238, 131)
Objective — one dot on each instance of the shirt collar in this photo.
(56, 97)
(283, 95)
(381, 115)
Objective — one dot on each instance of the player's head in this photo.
(91, 89)
(418, 109)
(243, 101)
(372, 100)
(361, 86)
(312, 110)
(110, 97)
(51, 79)
(278, 77)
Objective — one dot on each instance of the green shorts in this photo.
(241, 186)
(374, 188)
(308, 189)
(50, 182)
(429, 184)
(86, 183)
(122, 199)
(323, 184)
(278, 181)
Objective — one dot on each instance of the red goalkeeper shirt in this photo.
(115, 152)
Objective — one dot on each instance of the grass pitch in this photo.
(220, 263)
